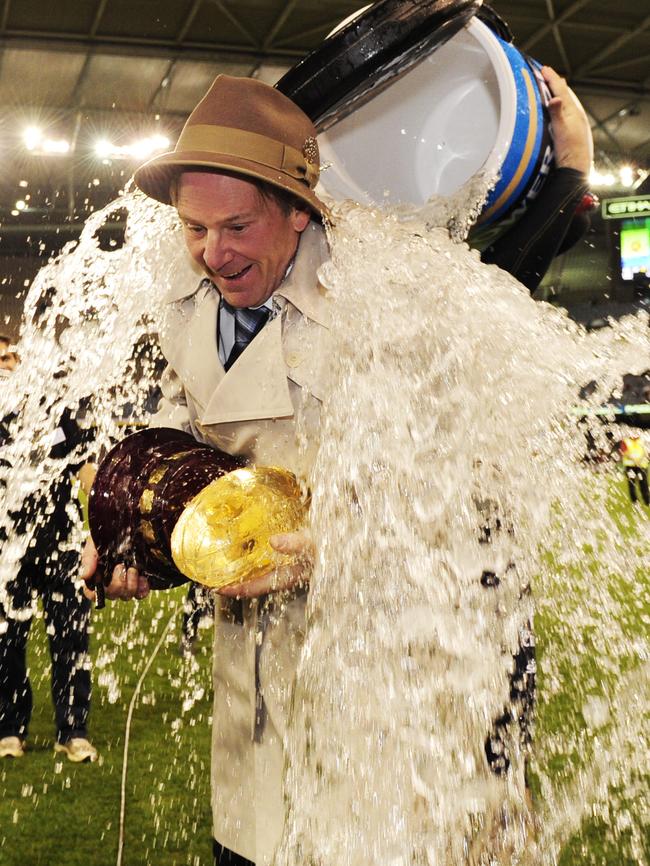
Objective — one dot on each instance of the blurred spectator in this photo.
(634, 459)
(8, 363)
(641, 284)
(198, 610)
(45, 570)
(8, 356)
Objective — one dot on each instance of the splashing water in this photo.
(85, 315)
(448, 451)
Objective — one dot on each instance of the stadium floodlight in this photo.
(32, 137)
(627, 175)
(36, 143)
(147, 146)
(104, 148)
(53, 145)
(598, 178)
(139, 150)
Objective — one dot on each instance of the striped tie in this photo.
(248, 324)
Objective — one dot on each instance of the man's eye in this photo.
(194, 230)
(238, 228)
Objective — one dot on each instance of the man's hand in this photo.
(572, 139)
(126, 583)
(298, 544)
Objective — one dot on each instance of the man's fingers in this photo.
(116, 589)
(572, 137)
(126, 584)
(286, 577)
(88, 563)
(251, 589)
(299, 543)
(143, 587)
(88, 560)
(131, 582)
(556, 84)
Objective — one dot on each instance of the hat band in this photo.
(240, 144)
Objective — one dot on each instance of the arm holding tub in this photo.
(554, 221)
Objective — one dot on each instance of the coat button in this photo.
(293, 359)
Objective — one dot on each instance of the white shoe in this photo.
(12, 747)
(77, 749)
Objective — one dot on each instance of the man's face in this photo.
(243, 241)
(8, 360)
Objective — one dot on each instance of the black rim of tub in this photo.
(362, 58)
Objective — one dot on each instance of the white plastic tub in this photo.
(472, 104)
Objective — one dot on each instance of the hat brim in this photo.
(155, 177)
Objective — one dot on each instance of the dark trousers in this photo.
(198, 604)
(636, 475)
(66, 613)
(226, 857)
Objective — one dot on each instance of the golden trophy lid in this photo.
(222, 536)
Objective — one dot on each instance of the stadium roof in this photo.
(157, 57)
(91, 75)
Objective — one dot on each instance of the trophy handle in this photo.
(99, 584)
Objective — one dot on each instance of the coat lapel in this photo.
(256, 385)
(192, 350)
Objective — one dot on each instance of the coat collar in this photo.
(299, 287)
(186, 278)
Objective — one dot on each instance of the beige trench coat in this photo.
(251, 410)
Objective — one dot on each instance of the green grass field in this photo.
(599, 662)
(53, 813)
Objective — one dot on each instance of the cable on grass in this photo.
(134, 697)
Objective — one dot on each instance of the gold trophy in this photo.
(176, 509)
(222, 535)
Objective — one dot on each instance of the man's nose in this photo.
(215, 251)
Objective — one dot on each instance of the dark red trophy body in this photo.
(141, 487)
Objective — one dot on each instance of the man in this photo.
(245, 350)
(45, 570)
(242, 178)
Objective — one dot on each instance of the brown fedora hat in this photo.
(244, 126)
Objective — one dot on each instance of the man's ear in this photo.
(299, 219)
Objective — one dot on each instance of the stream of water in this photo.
(449, 451)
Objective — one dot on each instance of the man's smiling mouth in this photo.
(236, 274)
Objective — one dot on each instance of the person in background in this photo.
(46, 570)
(8, 362)
(198, 612)
(8, 356)
(634, 460)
